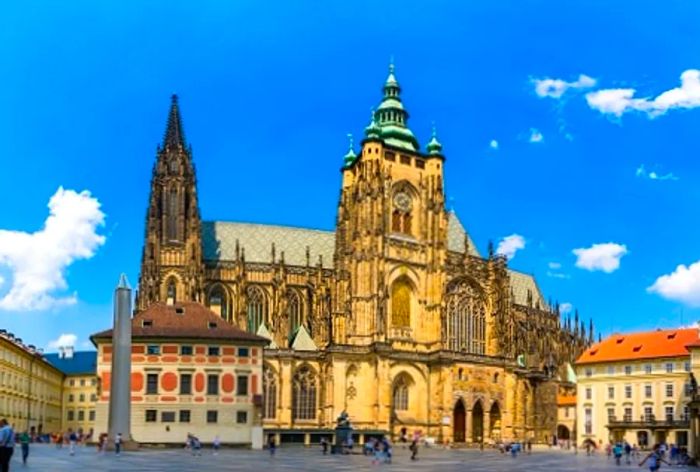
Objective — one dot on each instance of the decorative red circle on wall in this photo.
(136, 382)
(168, 381)
(199, 382)
(227, 383)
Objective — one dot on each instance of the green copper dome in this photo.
(392, 118)
(373, 131)
(434, 146)
(350, 156)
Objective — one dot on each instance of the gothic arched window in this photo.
(294, 311)
(401, 295)
(304, 394)
(400, 393)
(256, 308)
(401, 221)
(218, 302)
(172, 215)
(466, 319)
(171, 291)
(269, 393)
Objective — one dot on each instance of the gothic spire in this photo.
(434, 146)
(174, 135)
(392, 118)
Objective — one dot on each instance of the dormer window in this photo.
(179, 311)
(212, 325)
(147, 323)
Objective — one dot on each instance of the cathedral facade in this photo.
(394, 317)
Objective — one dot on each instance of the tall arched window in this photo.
(400, 393)
(401, 220)
(466, 319)
(401, 294)
(256, 307)
(294, 312)
(171, 291)
(304, 394)
(172, 215)
(269, 393)
(218, 302)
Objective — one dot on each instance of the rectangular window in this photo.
(628, 391)
(669, 413)
(242, 385)
(151, 416)
(589, 393)
(611, 414)
(212, 416)
(420, 163)
(71, 398)
(81, 397)
(389, 156)
(152, 384)
(212, 384)
(185, 384)
(82, 382)
(153, 349)
(405, 159)
(81, 415)
(167, 416)
(566, 412)
(647, 391)
(184, 416)
(628, 370)
(588, 420)
(589, 372)
(669, 390)
(686, 366)
(213, 350)
(72, 382)
(669, 367)
(686, 413)
(91, 415)
(611, 370)
(243, 352)
(186, 350)
(93, 397)
(611, 393)
(241, 417)
(648, 413)
(71, 415)
(628, 414)
(93, 382)
(647, 368)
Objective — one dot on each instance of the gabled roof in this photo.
(81, 362)
(186, 320)
(644, 345)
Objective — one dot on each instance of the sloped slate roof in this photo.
(219, 243)
(82, 362)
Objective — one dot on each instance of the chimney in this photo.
(61, 352)
(68, 352)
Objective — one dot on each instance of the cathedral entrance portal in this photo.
(477, 423)
(459, 423)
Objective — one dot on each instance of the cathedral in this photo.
(394, 318)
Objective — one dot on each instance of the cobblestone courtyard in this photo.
(49, 459)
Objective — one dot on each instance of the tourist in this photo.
(216, 445)
(529, 446)
(7, 445)
(24, 444)
(271, 444)
(628, 453)
(654, 459)
(403, 438)
(370, 447)
(617, 452)
(387, 449)
(196, 446)
(414, 448)
(118, 444)
(324, 445)
(72, 439)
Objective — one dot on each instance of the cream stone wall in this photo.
(79, 402)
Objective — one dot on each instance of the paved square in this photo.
(49, 459)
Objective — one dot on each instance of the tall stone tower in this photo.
(391, 233)
(171, 263)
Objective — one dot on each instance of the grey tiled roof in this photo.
(455, 236)
(520, 284)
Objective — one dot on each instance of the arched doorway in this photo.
(563, 433)
(459, 422)
(495, 422)
(477, 423)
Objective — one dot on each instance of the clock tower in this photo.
(391, 233)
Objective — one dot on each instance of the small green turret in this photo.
(350, 157)
(434, 146)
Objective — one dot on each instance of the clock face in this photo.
(402, 201)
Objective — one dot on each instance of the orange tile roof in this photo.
(566, 400)
(645, 345)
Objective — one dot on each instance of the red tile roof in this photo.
(645, 345)
(566, 400)
(186, 320)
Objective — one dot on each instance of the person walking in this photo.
(7, 445)
(118, 444)
(72, 438)
(324, 445)
(414, 449)
(24, 444)
(216, 445)
(628, 453)
(654, 459)
(271, 444)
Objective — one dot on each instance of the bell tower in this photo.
(391, 232)
(171, 261)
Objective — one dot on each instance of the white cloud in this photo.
(682, 285)
(38, 260)
(64, 340)
(493, 144)
(535, 136)
(555, 88)
(554, 265)
(557, 275)
(619, 101)
(605, 257)
(641, 172)
(509, 245)
(565, 308)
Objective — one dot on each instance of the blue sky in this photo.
(268, 93)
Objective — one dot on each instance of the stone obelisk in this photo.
(119, 421)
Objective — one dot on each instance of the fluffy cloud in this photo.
(535, 136)
(641, 172)
(682, 285)
(38, 261)
(554, 265)
(622, 100)
(509, 245)
(565, 308)
(64, 340)
(604, 256)
(555, 88)
(557, 275)
(493, 144)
